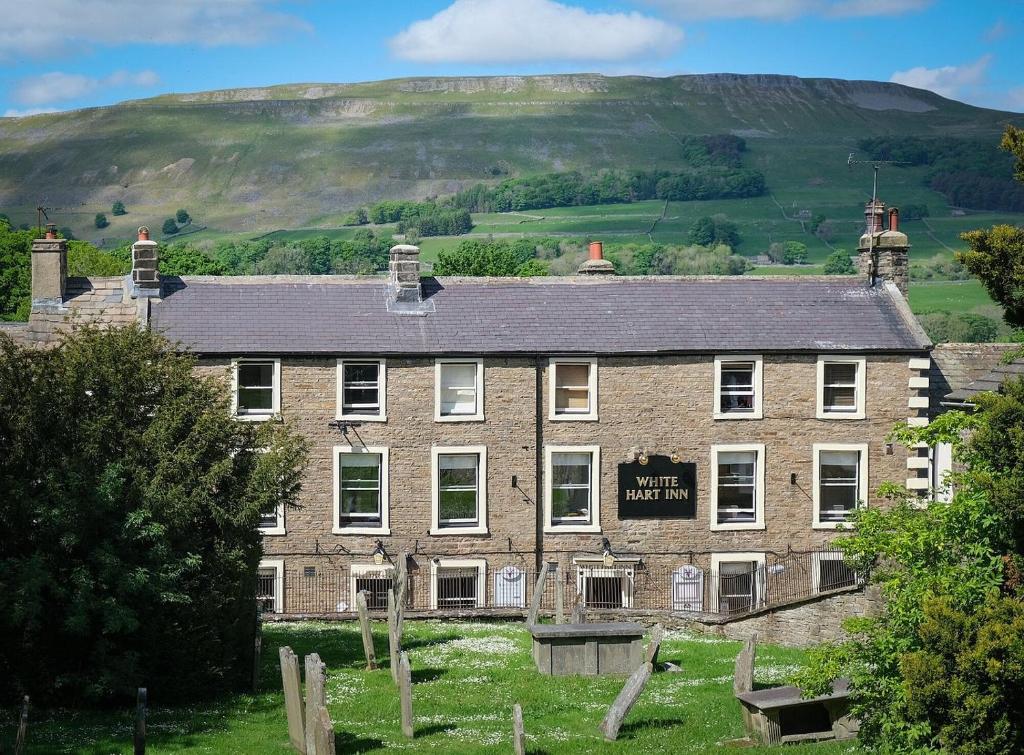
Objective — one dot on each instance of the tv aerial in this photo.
(40, 214)
(875, 164)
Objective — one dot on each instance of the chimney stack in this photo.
(596, 264)
(145, 266)
(49, 269)
(404, 275)
(884, 255)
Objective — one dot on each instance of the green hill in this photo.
(252, 161)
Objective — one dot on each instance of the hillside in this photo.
(255, 160)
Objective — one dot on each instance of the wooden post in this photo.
(257, 655)
(19, 741)
(518, 732)
(364, 626)
(324, 734)
(743, 677)
(292, 683)
(625, 701)
(657, 635)
(394, 643)
(405, 692)
(538, 596)
(139, 740)
(401, 593)
(316, 699)
(559, 596)
(579, 613)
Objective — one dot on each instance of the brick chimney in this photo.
(49, 269)
(596, 264)
(404, 275)
(145, 266)
(884, 255)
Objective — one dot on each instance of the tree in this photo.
(712, 230)
(118, 208)
(101, 220)
(169, 227)
(495, 258)
(130, 501)
(185, 259)
(182, 217)
(959, 327)
(839, 263)
(15, 273)
(358, 217)
(84, 260)
(795, 253)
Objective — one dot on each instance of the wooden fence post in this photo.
(625, 701)
(20, 740)
(538, 596)
(316, 699)
(292, 683)
(139, 740)
(401, 593)
(257, 655)
(743, 677)
(364, 626)
(518, 731)
(559, 596)
(394, 644)
(657, 635)
(405, 692)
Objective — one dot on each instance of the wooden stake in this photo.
(518, 732)
(140, 722)
(257, 655)
(559, 597)
(405, 692)
(364, 626)
(394, 644)
(538, 596)
(625, 701)
(19, 742)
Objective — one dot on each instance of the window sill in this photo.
(840, 415)
(737, 415)
(456, 531)
(272, 531)
(571, 529)
(459, 418)
(257, 417)
(361, 531)
(362, 417)
(737, 527)
(572, 417)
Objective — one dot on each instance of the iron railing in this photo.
(732, 589)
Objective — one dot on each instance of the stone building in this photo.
(672, 443)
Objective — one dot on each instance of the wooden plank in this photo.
(624, 702)
(22, 736)
(394, 643)
(559, 596)
(518, 731)
(139, 738)
(743, 675)
(292, 684)
(538, 596)
(657, 635)
(316, 699)
(364, 626)
(405, 693)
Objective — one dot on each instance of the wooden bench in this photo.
(587, 649)
(780, 715)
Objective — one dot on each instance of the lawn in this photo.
(951, 296)
(466, 678)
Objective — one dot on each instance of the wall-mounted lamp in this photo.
(379, 554)
(643, 456)
(675, 456)
(515, 481)
(888, 449)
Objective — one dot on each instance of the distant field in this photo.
(952, 296)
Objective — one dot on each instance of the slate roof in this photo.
(580, 315)
(992, 381)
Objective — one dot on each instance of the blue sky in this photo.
(63, 54)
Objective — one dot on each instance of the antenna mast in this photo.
(875, 164)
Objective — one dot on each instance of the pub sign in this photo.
(660, 488)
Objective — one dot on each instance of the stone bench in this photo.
(587, 649)
(780, 715)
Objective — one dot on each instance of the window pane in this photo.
(361, 387)
(457, 488)
(572, 375)
(572, 400)
(258, 399)
(840, 373)
(737, 387)
(458, 389)
(840, 399)
(737, 375)
(570, 468)
(839, 484)
(360, 488)
(255, 375)
(361, 372)
(457, 504)
(364, 398)
(571, 503)
(268, 520)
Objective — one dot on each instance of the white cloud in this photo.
(57, 87)
(785, 10)
(46, 28)
(949, 81)
(12, 113)
(996, 31)
(504, 31)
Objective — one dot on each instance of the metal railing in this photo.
(733, 590)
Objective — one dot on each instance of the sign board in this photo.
(660, 488)
(688, 589)
(509, 588)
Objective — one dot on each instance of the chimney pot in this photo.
(596, 250)
(596, 264)
(51, 231)
(143, 233)
(894, 219)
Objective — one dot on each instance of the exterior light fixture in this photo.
(607, 557)
(675, 456)
(379, 553)
(643, 456)
(792, 478)
(888, 449)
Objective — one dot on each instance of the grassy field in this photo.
(466, 678)
(952, 296)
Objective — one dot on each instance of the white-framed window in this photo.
(458, 490)
(941, 467)
(572, 385)
(737, 487)
(572, 489)
(361, 490)
(375, 581)
(270, 586)
(459, 390)
(841, 382)
(362, 389)
(255, 389)
(840, 482)
(458, 583)
(739, 581)
(831, 572)
(599, 586)
(738, 387)
(272, 523)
